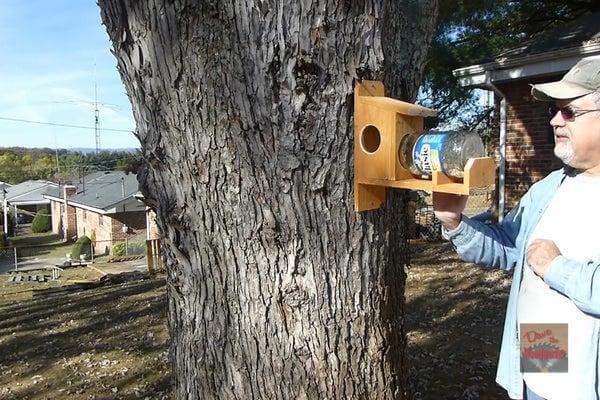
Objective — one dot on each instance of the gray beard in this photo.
(564, 152)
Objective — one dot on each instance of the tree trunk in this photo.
(277, 288)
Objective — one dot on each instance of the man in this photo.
(551, 242)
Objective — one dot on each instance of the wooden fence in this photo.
(153, 256)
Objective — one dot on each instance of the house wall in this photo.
(81, 228)
(60, 219)
(135, 221)
(90, 223)
(529, 140)
(110, 231)
(152, 226)
(71, 222)
(56, 217)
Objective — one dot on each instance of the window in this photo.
(100, 219)
(84, 215)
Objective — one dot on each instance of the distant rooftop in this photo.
(102, 190)
(4, 185)
(29, 192)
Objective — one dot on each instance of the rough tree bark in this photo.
(277, 289)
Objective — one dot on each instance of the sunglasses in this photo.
(567, 113)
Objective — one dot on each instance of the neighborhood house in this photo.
(25, 199)
(104, 206)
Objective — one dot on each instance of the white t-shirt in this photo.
(572, 221)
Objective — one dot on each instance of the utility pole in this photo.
(82, 172)
(57, 164)
(96, 105)
(5, 209)
(96, 113)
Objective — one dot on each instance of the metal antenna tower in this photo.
(96, 113)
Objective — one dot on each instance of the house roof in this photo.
(29, 192)
(4, 185)
(546, 54)
(104, 190)
(58, 192)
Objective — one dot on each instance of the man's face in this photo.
(577, 141)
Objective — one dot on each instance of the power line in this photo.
(111, 106)
(62, 125)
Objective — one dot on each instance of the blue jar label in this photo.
(427, 152)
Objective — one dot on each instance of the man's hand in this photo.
(540, 254)
(448, 208)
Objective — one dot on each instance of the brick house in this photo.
(152, 231)
(103, 207)
(63, 214)
(525, 140)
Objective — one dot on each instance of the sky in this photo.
(51, 53)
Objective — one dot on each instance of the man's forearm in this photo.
(483, 244)
(579, 281)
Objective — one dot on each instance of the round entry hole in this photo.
(370, 139)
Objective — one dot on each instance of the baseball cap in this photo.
(582, 79)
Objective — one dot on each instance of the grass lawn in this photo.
(107, 343)
(112, 342)
(454, 319)
(41, 245)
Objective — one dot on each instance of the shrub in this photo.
(81, 246)
(118, 249)
(133, 248)
(41, 222)
(3, 241)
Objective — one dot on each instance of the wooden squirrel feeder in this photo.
(380, 125)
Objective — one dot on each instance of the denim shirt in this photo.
(503, 246)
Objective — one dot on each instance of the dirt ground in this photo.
(454, 318)
(111, 342)
(104, 343)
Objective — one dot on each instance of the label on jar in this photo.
(427, 152)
